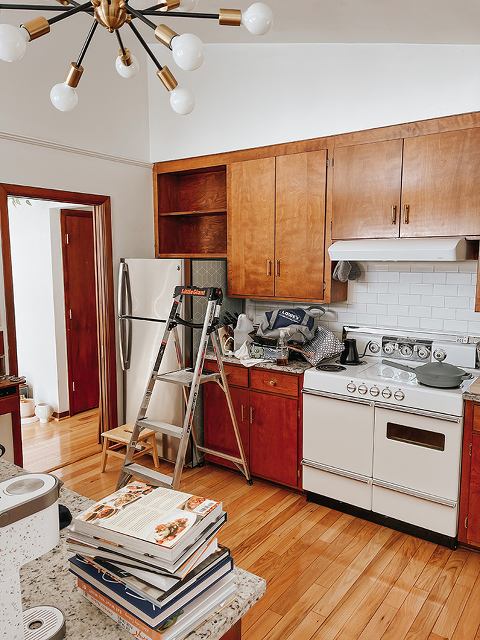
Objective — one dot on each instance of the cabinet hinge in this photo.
(470, 449)
(466, 522)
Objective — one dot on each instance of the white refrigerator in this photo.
(145, 298)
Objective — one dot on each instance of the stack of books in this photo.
(149, 558)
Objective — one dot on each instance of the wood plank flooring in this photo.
(48, 446)
(329, 576)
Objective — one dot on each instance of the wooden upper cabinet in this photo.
(441, 186)
(366, 190)
(251, 222)
(276, 227)
(300, 225)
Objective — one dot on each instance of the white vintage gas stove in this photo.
(378, 443)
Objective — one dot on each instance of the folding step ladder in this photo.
(190, 379)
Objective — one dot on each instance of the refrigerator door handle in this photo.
(124, 309)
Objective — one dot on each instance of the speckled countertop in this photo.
(48, 581)
(294, 366)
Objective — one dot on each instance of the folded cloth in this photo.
(346, 270)
(243, 354)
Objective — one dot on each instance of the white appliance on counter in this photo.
(145, 298)
(378, 441)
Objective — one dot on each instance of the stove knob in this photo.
(374, 347)
(406, 350)
(399, 395)
(386, 393)
(423, 352)
(440, 355)
(389, 348)
(362, 388)
(374, 391)
(351, 387)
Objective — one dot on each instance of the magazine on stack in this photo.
(191, 617)
(154, 615)
(152, 587)
(149, 520)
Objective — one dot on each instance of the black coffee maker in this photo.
(349, 354)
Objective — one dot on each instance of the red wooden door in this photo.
(218, 428)
(80, 309)
(274, 438)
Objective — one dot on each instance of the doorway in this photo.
(104, 302)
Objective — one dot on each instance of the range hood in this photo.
(400, 250)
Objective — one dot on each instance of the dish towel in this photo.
(346, 270)
(243, 354)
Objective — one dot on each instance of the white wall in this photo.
(251, 95)
(418, 295)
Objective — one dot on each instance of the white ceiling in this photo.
(381, 21)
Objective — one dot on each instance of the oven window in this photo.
(412, 435)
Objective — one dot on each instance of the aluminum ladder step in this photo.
(144, 473)
(161, 427)
(184, 377)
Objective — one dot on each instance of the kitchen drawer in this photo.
(476, 418)
(9, 404)
(237, 376)
(275, 382)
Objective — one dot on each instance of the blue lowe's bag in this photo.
(301, 324)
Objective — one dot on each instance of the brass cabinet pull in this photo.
(405, 213)
(269, 267)
(272, 383)
(277, 267)
(251, 415)
(394, 213)
(243, 416)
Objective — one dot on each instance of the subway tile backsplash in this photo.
(424, 296)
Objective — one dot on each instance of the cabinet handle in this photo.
(272, 383)
(251, 415)
(269, 267)
(394, 213)
(405, 213)
(277, 267)
(243, 416)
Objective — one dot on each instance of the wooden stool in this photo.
(121, 437)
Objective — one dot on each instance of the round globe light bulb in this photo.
(187, 51)
(258, 19)
(64, 97)
(187, 5)
(127, 71)
(182, 101)
(13, 42)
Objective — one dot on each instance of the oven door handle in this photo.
(412, 492)
(418, 412)
(339, 472)
(337, 396)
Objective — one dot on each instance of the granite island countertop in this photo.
(47, 581)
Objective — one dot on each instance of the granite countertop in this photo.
(294, 366)
(47, 581)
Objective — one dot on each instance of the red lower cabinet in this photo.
(469, 520)
(266, 404)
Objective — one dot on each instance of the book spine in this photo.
(123, 618)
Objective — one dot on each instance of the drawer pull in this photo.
(406, 218)
(251, 415)
(272, 383)
(243, 416)
(269, 267)
(277, 267)
(394, 214)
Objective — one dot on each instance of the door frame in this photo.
(102, 237)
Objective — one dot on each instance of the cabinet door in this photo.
(366, 190)
(473, 531)
(300, 225)
(440, 186)
(274, 438)
(218, 428)
(251, 221)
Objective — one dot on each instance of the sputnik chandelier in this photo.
(187, 49)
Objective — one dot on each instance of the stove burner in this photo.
(353, 364)
(330, 367)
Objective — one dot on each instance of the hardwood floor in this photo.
(330, 576)
(48, 446)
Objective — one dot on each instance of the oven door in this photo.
(416, 467)
(337, 447)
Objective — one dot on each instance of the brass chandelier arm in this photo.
(46, 7)
(144, 44)
(86, 44)
(70, 12)
(178, 14)
(140, 15)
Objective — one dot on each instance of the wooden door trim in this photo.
(102, 233)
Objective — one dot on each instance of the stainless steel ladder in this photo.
(190, 379)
